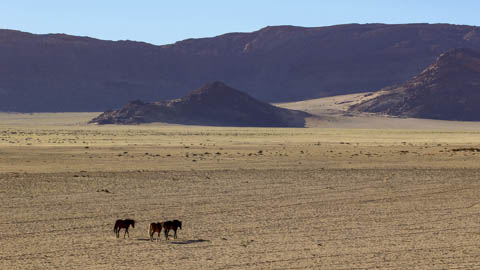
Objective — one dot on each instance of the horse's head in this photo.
(130, 222)
(179, 223)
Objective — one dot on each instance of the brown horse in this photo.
(155, 227)
(171, 225)
(123, 224)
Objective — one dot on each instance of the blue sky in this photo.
(162, 22)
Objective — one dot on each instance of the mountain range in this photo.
(58, 72)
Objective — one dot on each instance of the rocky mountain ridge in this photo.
(449, 89)
(58, 72)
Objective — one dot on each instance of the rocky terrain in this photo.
(58, 72)
(213, 104)
(449, 89)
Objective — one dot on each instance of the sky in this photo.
(164, 22)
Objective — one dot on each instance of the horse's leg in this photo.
(126, 230)
(175, 233)
(166, 234)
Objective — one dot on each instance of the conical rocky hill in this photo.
(213, 104)
(449, 89)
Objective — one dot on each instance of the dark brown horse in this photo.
(171, 225)
(155, 227)
(123, 224)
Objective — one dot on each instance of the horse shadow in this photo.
(143, 239)
(177, 242)
(187, 242)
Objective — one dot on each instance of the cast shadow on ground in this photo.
(176, 242)
(187, 242)
(144, 239)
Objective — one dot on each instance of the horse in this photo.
(155, 227)
(123, 224)
(171, 225)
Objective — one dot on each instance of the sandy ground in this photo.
(249, 198)
(331, 112)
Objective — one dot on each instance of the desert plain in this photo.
(344, 193)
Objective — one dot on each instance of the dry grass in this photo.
(250, 198)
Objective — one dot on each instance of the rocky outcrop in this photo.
(214, 104)
(449, 89)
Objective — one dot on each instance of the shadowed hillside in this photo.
(213, 104)
(58, 72)
(449, 89)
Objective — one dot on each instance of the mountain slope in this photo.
(213, 104)
(59, 72)
(449, 89)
